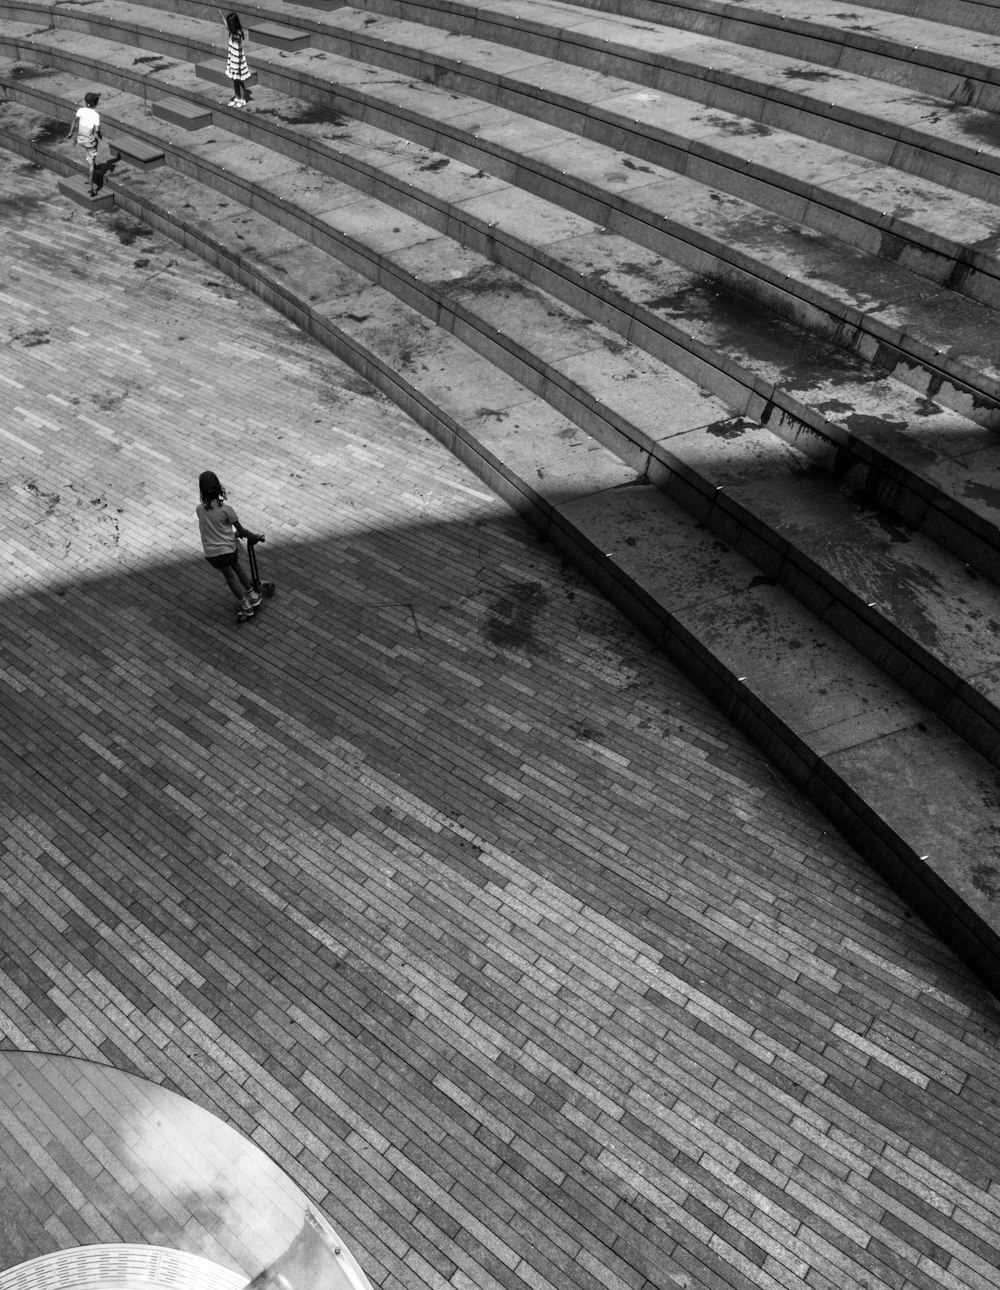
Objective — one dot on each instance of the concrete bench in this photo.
(277, 36)
(76, 192)
(134, 152)
(216, 73)
(187, 115)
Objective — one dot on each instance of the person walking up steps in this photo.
(220, 528)
(237, 68)
(87, 124)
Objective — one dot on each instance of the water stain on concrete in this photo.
(50, 130)
(986, 880)
(26, 72)
(746, 328)
(309, 114)
(730, 428)
(809, 74)
(984, 126)
(127, 228)
(513, 616)
(982, 493)
(737, 126)
(865, 424)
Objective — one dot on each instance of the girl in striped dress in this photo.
(236, 61)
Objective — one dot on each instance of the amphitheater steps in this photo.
(930, 340)
(883, 122)
(848, 736)
(815, 183)
(821, 187)
(828, 393)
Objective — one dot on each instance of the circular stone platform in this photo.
(111, 1181)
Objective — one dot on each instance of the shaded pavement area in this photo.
(434, 880)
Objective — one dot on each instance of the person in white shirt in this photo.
(87, 124)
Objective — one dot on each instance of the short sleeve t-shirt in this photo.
(218, 536)
(88, 122)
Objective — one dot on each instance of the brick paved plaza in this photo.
(433, 880)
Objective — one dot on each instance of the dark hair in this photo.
(210, 488)
(234, 24)
(91, 98)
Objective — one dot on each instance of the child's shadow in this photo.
(103, 168)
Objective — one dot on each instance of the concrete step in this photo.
(190, 116)
(278, 35)
(135, 152)
(923, 52)
(898, 433)
(939, 640)
(103, 200)
(915, 799)
(216, 74)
